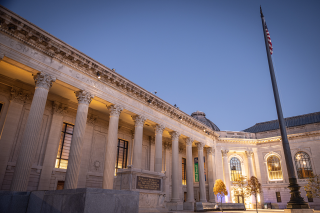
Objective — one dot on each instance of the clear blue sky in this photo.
(201, 55)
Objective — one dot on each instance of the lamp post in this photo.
(296, 201)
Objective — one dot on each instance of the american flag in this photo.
(268, 37)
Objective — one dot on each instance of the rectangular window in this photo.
(184, 174)
(309, 196)
(60, 185)
(278, 197)
(122, 154)
(64, 146)
(1, 105)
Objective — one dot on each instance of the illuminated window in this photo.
(303, 165)
(122, 155)
(235, 167)
(274, 168)
(64, 146)
(184, 174)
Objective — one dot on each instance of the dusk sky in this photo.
(201, 55)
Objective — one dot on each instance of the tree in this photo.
(254, 188)
(313, 186)
(240, 187)
(220, 190)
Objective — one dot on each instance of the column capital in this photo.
(249, 153)
(43, 80)
(181, 149)
(152, 140)
(189, 141)
(210, 150)
(139, 120)
(175, 135)
(159, 129)
(115, 110)
(224, 153)
(19, 95)
(91, 119)
(84, 97)
(167, 145)
(59, 108)
(200, 145)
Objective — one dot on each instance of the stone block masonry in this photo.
(85, 200)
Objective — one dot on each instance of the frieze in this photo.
(53, 48)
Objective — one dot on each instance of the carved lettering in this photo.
(148, 183)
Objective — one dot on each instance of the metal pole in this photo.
(296, 201)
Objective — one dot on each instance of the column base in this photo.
(188, 206)
(198, 207)
(174, 206)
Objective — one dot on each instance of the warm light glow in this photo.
(226, 198)
(258, 198)
(99, 76)
(304, 163)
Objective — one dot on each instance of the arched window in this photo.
(303, 165)
(235, 167)
(274, 168)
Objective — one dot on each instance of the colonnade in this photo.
(43, 83)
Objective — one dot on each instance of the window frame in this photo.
(184, 171)
(278, 197)
(303, 159)
(238, 172)
(124, 155)
(62, 145)
(267, 167)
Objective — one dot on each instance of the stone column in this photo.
(17, 100)
(158, 152)
(175, 165)
(202, 183)
(111, 148)
(86, 151)
(250, 163)
(152, 153)
(210, 158)
(50, 156)
(84, 99)
(168, 169)
(226, 171)
(31, 133)
(190, 189)
(138, 136)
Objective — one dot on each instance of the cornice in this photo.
(30, 34)
(270, 139)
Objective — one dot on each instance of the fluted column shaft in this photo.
(30, 136)
(175, 167)
(84, 99)
(111, 148)
(158, 146)
(210, 161)
(202, 184)
(190, 190)
(226, 171)
(138, 136)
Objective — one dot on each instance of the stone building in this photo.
(68, 121)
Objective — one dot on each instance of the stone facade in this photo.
(69, 87)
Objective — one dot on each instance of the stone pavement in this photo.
(247, 211)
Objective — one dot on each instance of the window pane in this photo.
(303, 165)
(274, 168)
(69, 129)
(63, 127)
(63, 164)
(235, 167)
(122, 154)
(60, 146)
(57, 163)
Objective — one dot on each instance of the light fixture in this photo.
(180, 117)
(98, 74)
(149, 101)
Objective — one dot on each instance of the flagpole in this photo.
(296, 201)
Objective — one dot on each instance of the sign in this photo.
(148, 183)
(196, 170)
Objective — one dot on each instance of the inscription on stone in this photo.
(148, 183)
